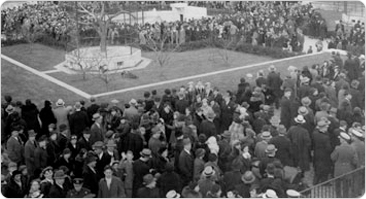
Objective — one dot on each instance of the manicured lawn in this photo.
(37, 56)
(22, 85)
(181, 65)
(227, 81)
(25, 85)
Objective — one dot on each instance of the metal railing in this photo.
(349, 185)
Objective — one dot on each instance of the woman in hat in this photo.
(65, 160)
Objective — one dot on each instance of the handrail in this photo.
(332, 180)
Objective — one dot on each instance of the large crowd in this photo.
(258, 23)
(192, 141)
(195, 141)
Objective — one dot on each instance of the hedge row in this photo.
(188, 46)
(239, 47)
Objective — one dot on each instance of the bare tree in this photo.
(99, 15)
(162, 49)
(223, 51)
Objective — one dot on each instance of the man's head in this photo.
(108, 171)
(86, 133)
(149, 181)
(59, 177)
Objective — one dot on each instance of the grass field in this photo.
(37, 56)
(25, 85)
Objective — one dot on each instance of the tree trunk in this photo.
(103, 43)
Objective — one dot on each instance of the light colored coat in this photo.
(344, 158)
(61, 114)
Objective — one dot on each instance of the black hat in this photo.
(16, 172)
(78, 181)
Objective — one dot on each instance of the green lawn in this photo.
(37, 56)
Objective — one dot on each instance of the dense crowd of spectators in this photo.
(192, 141)
(43, 17)
(259, 23)
(344, 38)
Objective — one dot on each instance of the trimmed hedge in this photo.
(239, 47)
(273, 52)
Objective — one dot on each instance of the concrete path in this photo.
(45, 76)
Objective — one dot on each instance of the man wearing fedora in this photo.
(58, 189)
(207, 181)
(301, 144)
(270, 158)
(141, 167)
(29, 152)
(283, 145)
(345, 160)
(285, 103)
(14, 145)
(97, 131)
(274, 82)
(149, 190)
(84, 140)
(207, 126)
(104, 158)
(260, 147)
(243, 188)
(61, 113)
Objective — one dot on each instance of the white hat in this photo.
(133, 101)
(249, 75)
(172, 194)
(356, 133)
(345, 136)
(115, 101)
(272, 68)
(293, 193)
(291, 68)
(60, 102)
(270, 194)
(300, 119)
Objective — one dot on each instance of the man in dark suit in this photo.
(227, 111)
(96, 131)
(92, 109)
(207, 127)
(283, 145)
(274, 83)
(141, 167)
(90, 175)
(15, 146)
(78, 121)
(104, 158)
(186, 161)
(84, 140)
(285, 117)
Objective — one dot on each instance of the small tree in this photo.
(224, 45)
(163, 50)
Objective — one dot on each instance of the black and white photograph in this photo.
(182, 99)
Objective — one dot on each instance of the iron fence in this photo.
(349, 185)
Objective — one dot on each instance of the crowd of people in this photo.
(43, 17)
(345, 38)
(258, 23)
(192, 141)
